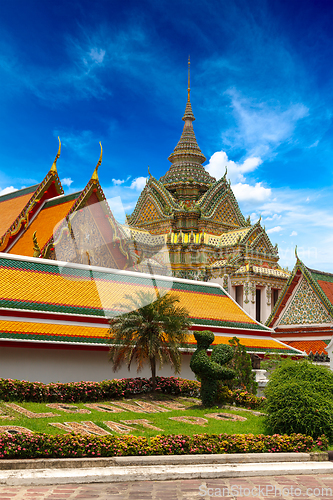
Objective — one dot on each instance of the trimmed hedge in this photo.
(76, 392)
(76, 446)
(91, 392)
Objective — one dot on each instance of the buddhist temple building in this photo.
(198, 222)
(54, 318)
(66, 264)
(187, 224)
(303, 314)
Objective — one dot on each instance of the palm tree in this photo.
(152, 330)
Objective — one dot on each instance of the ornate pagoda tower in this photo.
(197, 220)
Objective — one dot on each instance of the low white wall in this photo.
(58, 365)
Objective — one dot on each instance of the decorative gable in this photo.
(154, 204)
(148, 213)
(258, 240)
(226, 214)
(305, 307)
(219, 205)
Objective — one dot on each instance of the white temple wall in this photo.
(60, 365)
(250, 308)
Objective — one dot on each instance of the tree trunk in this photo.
(153, 372)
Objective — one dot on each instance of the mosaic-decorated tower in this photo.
(205, 234)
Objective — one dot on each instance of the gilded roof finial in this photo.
(54, 165)
(95, 174)
(188, 85)
(296, 252)
(149, 172)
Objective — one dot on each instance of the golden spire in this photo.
(54, 165)
(188, 85)
(95, 174)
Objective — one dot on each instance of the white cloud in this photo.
(293, 233)
(262, 127)
(7, 190)
(138, 183)
(274, 217)
(275, 229)
(219, 161)
(97, 55)
(118, 182)
(67, 181)
(254, 194)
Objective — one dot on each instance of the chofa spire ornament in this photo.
(54, 165)
(94, 176)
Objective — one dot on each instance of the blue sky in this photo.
(116, 72)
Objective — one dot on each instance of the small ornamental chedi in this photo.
(210, 369)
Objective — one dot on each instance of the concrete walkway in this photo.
(161, 468)
(291, 487)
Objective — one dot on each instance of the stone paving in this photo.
(301, 487)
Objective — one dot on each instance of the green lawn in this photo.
(189, 408)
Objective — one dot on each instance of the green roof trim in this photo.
(47, 307)
(18, 193)
(231, 324)
(322, 276)
(59, 200)
(53, 338)
(105, 341)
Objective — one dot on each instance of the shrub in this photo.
(300, 399)
(241, 363)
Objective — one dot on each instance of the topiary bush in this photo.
(299, 398)
(210, 369)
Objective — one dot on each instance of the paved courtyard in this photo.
(304, 487)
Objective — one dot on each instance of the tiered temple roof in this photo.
(200, 216)
(50, 303)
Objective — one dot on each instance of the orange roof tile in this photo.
(37, 285)
(47, 329)
(327, 288)
(91, 335)
(10, 209)
(44, 224)
(309, 345)
(250, 343)
(46, 288)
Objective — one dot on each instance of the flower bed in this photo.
(90, 392)
(76, 392)
(75, 446)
